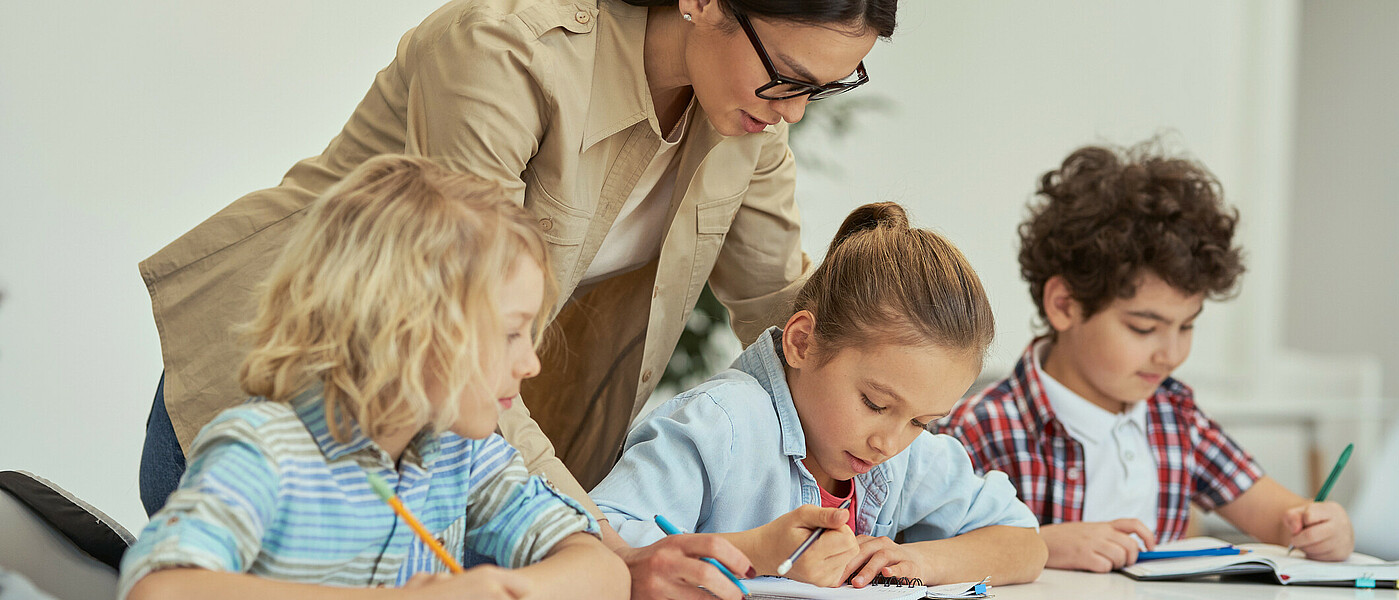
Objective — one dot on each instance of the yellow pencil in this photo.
(381, 488)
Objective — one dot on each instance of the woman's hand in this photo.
(1099, 547)
(672, 568)
(486, 581)
(1322, 530)
(824, 562)
(881, 556)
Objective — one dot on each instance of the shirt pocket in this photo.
(713, 217)
(712, 220)
(453, 538)
(564, 228)
(882, 529)
(421, 558)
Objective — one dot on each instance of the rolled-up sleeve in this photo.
(217, 517)
(514, 517)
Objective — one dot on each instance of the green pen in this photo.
(1335, 473)
(1331, 479)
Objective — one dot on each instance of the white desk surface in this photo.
(1054, 584)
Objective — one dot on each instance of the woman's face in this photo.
(725, 69)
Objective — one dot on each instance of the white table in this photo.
(1054, 584)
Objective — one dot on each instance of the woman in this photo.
(647, 137)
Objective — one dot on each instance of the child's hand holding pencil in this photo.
(823, 562)
(1322, 529)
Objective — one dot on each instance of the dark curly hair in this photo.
(1106, 216)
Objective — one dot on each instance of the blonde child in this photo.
(398, 322)
(886, 335)
(1104, 445)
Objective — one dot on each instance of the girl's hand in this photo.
(881, 556)
(1322, 530)
(1099, 546)
(486, 581)
(824, 562)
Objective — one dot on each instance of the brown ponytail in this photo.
(885, 282)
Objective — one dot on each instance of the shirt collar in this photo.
(310, 408)
(621, 96)
(763, 361)
(1086, 421)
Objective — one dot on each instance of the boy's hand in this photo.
(671, 568)
(881, 556)
(1322, 530)
(486, 581)
(1099, 547)
(824, 562)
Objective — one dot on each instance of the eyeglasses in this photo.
(782, 87)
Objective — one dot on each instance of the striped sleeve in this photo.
(1223, 470)
(513, 517)
(216, 519)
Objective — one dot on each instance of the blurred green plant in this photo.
(828, 121)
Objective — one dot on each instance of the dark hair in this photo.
(1107, 216)
(876, 15)
(883, 281)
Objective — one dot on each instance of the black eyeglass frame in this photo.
(802, 88)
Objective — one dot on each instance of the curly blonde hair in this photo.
(387, 285)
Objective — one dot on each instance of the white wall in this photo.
(123, 125)
(991, 95)
(1347, 184)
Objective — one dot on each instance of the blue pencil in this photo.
(1158, 554)
(671, 529)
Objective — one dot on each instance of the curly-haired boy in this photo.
(1120, 251)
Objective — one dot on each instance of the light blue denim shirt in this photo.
(727, 456)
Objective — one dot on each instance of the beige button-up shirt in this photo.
(549, 98)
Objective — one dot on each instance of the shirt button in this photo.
(582, 17)
(1129, 455)
(546, 224)
(1073, 474)
(646, 376)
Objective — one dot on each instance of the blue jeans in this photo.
(162, 461)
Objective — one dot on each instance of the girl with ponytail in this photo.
(883, 339)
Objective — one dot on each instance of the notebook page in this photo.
(1295, 568)
(779, 588)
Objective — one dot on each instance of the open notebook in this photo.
(1359, 571)
(778, 588)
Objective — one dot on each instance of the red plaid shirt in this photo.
(1011, 427)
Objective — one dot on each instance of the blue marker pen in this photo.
(671, 529)
(1159, 554)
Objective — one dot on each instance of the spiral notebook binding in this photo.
(896, 581)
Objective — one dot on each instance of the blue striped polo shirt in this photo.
(270, 492)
